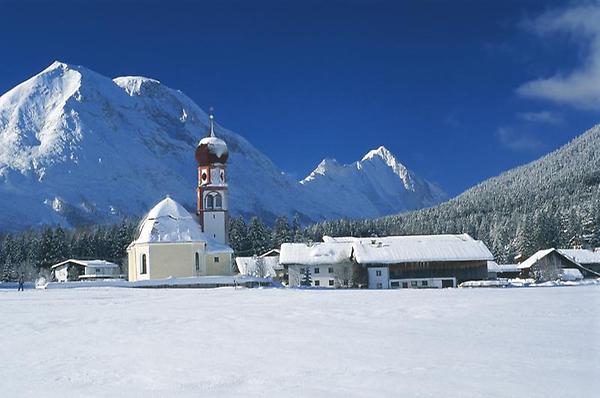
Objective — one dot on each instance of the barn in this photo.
(588, 259)
(548, 265)
(422, 261)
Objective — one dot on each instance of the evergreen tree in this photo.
(306, 278)
(238, 237)
(282, 233)
(258, 235)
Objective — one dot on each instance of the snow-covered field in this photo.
(536, 342)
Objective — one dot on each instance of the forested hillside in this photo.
(551, 202)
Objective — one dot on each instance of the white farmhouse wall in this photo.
(328, 275)
(379, 278)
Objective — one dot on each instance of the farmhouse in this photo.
(419, 261)
(550, 264)
(76, 270)
(329, 264)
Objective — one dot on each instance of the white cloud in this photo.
(518, 141)
(581, 87)
(546, 117)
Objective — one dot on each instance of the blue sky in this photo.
(459, 90)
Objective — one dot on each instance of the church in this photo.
(173, 243)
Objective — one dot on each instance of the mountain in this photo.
(551, 202)
(77, 147)
(377, 184)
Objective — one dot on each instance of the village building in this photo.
(173, 243)
(78, 270)
(419, 261)
(329, 264)
(506, 271)
(551, 264)
(588, 259)
(264, 266)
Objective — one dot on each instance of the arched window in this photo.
(144, 267)
(209, 201)
(218, 201)
(197, 262)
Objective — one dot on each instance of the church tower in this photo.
(211, 155)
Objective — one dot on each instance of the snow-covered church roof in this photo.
(170, 222)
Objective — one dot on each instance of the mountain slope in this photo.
(551, 202)
(77, 147)
(377, 184)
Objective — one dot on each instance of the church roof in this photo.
(170, 222)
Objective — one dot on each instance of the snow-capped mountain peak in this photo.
(78, 147)
(378, 183)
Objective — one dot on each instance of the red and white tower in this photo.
(211, 155)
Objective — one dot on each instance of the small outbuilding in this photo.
(508, 271)
(77, 270)
(264, 266)
(588, 259)
(548, 265)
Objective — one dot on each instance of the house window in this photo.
(330, 270)
(379, 285)
(144, 268)
(197, 262)
(317, 270)
(378, 273)
(413, 283)
(317, 283)
(331, 282)
(98, 271)
(404, 285)
(395, 284)
(345, 282)
(424, 283)
(216, 259)
(218, 201)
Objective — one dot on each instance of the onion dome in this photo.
(211, 149)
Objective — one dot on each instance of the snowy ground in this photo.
(536, 342)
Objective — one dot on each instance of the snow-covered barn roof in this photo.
(170, 222)
(248, 265)
(387, 250)
(541, 254)
(87, 263)
(416, 248)
(582, 256)
(315, 253)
